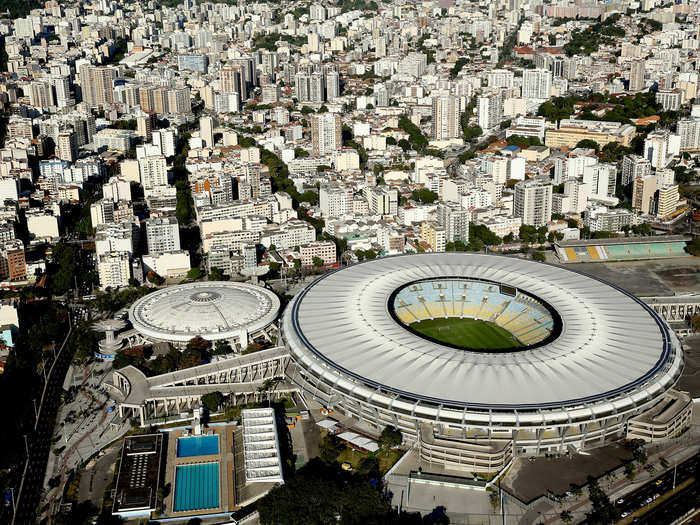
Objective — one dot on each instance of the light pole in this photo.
(675, 467)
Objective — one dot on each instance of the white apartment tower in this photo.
(533, 202)
(162, 235)
(153, 171)
(326, 134)
(206, 131)
(490, 111)
(689, 131)
(446, 117)
(634, 166)
(537, 84)
(455, 220)
(114, 269)
(636, 75)
(334, 200)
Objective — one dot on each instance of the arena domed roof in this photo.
(212, 310)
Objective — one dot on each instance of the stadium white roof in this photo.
(212, 310)
(611, 344)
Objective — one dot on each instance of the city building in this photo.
(455, 220)
(445, 120)
(162, 235)
(324, 251)
(114, 269)
(644, 194)
(537, 84)
(532, 202)
(490, 110)
(636, 75)
(326, 134)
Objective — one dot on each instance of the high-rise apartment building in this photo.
(206, 131)
(656, 149)
(145, 124)
(433, 235)
(689, 131)
(644, 193)
(13, 264)
(153, 171)
(634, 166)
(66, 146)
(636, 80)
(233, 80)
(334, 200)
(533, 202)
(332, 85)
(162, 235)
(97, 84)
(114, 269)
(490, 110)
(601, 178)
(537, 84)
(310, 87)
(455, 220)
(446, 118)
(382, 200)
(667, 200)
(326, 134)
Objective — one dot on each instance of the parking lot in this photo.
(529, 479)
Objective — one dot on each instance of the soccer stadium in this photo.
(481, 357)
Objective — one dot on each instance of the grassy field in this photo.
(467, 333)
(386, 458)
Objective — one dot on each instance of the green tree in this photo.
(194, 273)
(330, 448)
(222, 347)
(322, 493)
(528, 233)
(458, 65)
(588, 144)
(424, 195)
(212, 400)
(415, 135)
(216, 274)
(539, 256)
(317, 261)
(390, 438)
(472, 132)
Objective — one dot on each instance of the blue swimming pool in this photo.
(197, 446)
(196, 487)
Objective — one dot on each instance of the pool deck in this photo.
(226, 466)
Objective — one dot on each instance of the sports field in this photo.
(467, 333)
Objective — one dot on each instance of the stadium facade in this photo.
(594, 363)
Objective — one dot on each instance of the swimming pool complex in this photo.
(196, 487)
(197, 446)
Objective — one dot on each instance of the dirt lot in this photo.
(649, 278)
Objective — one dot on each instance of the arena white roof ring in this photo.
(612, 348)
(211, 310)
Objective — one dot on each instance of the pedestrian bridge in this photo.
(248, 377)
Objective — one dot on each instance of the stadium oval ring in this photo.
(211, 310)
(613, 358)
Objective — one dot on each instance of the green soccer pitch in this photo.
(466, 333)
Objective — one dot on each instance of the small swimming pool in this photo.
(197, 446)
(196, 487)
